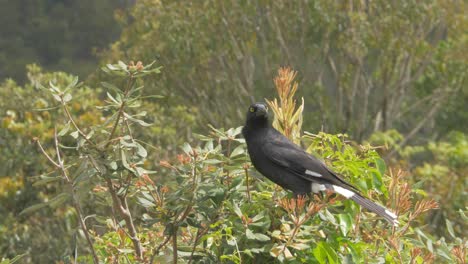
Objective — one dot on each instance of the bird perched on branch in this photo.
(289, 166)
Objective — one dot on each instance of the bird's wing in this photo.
(291, 157)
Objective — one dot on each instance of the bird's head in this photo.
(257, 112)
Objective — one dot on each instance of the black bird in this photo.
(287, 165)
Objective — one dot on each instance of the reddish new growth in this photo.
(183, 158)
(138, 67)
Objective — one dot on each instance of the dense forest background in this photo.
(382, 92)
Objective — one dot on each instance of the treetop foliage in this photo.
(367, 66)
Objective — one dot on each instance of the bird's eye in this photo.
(252, 109)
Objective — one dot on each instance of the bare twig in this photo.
(156, 251)
(47, 155)
(76, 203)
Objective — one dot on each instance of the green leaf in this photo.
(45, 179)
(463, 215)
(216, 192)
(187, 148)
(261, 237)
(53, 87)
(443, 251)
(212, 161)
(124, 160)
(85, 175)
(57, 97)
(258, 217)
(249, 234)
(299, 246)
(14, 260)
(276, 251)
(113, 165)
(64, 130)
(126, 250)
(67, 98)
(287, 253)
(138, 121)
(141, 151)
(256, 236)
(74, 134)
(111, 87)
(380, 163)
(377, 180)
(320, 254)
(429, 246)
(237, 210)
(346, 223)
(421, 192)
(236, 181)
(331, 254)
(58, 200)
(145, 202)
(237, 151)
(111, 67)
(122, 65)
(325, 254)
(112, 98)
(328, 216)
(33, 208)
(450, 228)
(237, 131)
(72, 83)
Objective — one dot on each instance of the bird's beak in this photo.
(262, 110)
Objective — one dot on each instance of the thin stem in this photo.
(174, 245)
(76, 203)
(65, 108)
(228, 155)
(296, 228)
(127, 125)
(121, 111)
(47, 155)
(156, 251)
(247, 182)
(197, 237)
(297, 225)
(131, 227)
(157, 198)
(183, 216)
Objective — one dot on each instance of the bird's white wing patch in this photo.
(346, 193)
(391, 214)
(317, 187)
(313, 173)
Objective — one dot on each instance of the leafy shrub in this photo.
(212, 206)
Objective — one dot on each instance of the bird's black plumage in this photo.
(286, 164)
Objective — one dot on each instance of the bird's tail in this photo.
(376, 208)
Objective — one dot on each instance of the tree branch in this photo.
(120, 204)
